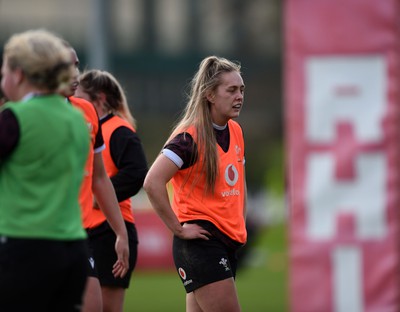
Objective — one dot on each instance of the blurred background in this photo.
(154, 47)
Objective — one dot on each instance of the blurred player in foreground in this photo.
(44, 143)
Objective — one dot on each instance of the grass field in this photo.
(262, 284)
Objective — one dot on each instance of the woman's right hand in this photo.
(193, 231)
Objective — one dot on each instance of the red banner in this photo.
(155, 242)
(342, 80)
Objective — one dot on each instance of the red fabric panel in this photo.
(321, 39)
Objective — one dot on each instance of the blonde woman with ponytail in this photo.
(204, 160)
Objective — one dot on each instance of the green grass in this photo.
(262, 284)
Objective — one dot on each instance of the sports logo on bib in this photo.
(231, 175)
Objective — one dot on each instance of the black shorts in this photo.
(102, 244)
(200, 262)
(42, 275)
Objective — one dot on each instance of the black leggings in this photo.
(42, 275)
